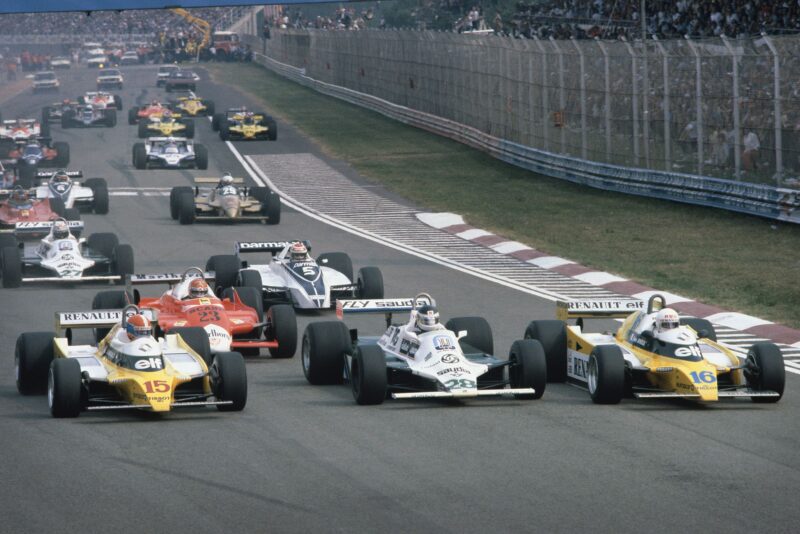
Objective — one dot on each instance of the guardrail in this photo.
(754, 199)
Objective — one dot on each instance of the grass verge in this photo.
(738, 262)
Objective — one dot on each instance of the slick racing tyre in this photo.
(99, 188)
(229, 381)
(11, 260)
(370, 283)
(72, 214)
(479, 338)
(368, 375)
(62, 154)
(281, 327)
(606, 374)
(64, 384)
(122, 262)
(187, 210)
(272, 133)
(197, 339)
(32, 357)
(701, 325)
(527, 367)
(552, 334)
(174, 194)
(226, 268)
(133, 115)
(216, 120)
(139, 156)
(765, 370)
(189, 131)
(338, 261)
(323, 349)
(103, 243)
(201, 153)
(57, 206)
(142, 130)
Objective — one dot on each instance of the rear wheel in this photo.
(118, 101)
(370, 283)
(57, 206)
(765, 370)
(62, 154)
(189, 132)
(224, 131)
(72, 214)
(186, 208)
(606, 374)
(552, 334)
(111, 118)
(123, 262)
(109, 300)
(201, 155)
(142, 130)
(133, 115)
(527, 367)
(99, 188)
(281, 327)
(64, 385)
(139, 156)
(11, 260)
(701, 325)
(32, 357)
(209, 104)
(103, 243)
(229, 381)
(216, 120)
(479, 334)
(272, 133)
(174, 194)
(197, 339)
(324, 346)
(368, 375)
(66, 119)
(226, 270)
(27, 174)
(338, 261)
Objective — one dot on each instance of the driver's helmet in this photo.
(298, 251)
(226, 180)
(667, 319)
(154, 102)
(249, 117)
(65, 101)
(198, 288)
(60, 230)
(19, 196)
(427, 317)
(166, 114)
(138, 326)
(60, 177)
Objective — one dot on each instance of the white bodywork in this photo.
(99, 99)
(20, 129)
(63, 257)
(159, 147)
(308, 283)
(70, 192)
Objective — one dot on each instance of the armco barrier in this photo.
(754, 199)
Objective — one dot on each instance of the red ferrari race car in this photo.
(234, 322)
(18, 208)
(153, 109)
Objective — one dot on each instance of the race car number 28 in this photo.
(459, 383)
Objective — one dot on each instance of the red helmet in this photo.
(198, 288)
(138, 326)
(298, 251)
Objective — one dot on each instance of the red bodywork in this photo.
(152, 111)
(101, 100)
(21, 132)
(234, 316)
(48, 153)
(36, 210)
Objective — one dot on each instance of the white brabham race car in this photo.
(60, 256)
(91, 194)
(297, 279)
(419, 359)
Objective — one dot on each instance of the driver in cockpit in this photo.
(298, 252)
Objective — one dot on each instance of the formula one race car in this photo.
(154, 109)
(238, 123)
(19, 206)
(91, 194)
(85, 116)
(61, 257)
(109, 78)
(419, 359)
(45, 81)
(41, 152)
(17, 130)
(192, 105)
(163, 73)
(128, 369)
(167, 125)
(293, 277)
(234, 320)
(170, 153)
(229, 201)
(181, 80)
(101, 99)
(654, 354)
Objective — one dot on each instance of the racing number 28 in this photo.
(462, 383)
(156, 386)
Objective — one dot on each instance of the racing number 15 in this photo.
(156, 386)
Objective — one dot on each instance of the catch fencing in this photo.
(696, 118)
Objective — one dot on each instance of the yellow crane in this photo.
(197, 22)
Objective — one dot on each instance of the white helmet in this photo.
(427, 317)
(60, 229)
(667, 319)
(226, 179)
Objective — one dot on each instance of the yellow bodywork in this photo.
(168, 128)
(247, 131)
(191, 106)
(152, 390)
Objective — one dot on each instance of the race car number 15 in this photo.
(156, 386)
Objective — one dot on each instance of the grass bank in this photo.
(734, 261)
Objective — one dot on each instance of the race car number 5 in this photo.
(156, 386)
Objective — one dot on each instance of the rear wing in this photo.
(94, 319)
(34, 229)
(385, 306)
(164, 278)
(47, 174)
(597, 308)
(273, 247)
(206, 180)
(170, 139)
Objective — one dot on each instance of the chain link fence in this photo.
(720, 107)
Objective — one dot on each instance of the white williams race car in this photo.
(170, 153)
(92, 194)
(292, 276)
(61, 257)
(421, 358)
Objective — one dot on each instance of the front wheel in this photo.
(32, 357)
(281, 327)
(606, 374)
(186, 208)
(324, 346)
(370, 283)
(765, 371)
(368, 375)
(64, 385)
(527, 368)
(229, 381)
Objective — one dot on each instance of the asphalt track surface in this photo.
(302, 458)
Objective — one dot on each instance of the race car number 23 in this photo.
(208, 316)
(459, 383)
(156, 386)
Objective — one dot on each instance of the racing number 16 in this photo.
(157, 386)
(703, 376)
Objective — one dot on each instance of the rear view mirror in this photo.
(702, 334)
(461, 333)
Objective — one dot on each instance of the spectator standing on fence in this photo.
(751, 145)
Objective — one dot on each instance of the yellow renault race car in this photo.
(129, 369)
(167, 125)
(654, 354)
(192, 105)
(241, 124)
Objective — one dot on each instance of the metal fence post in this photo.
(737, 130)
(698, 103)
(645, 105)
(607, 97)
(545, 96)
(562, 100)
(634, 100)
(776, 102)
(583, 96)
(667, 113)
